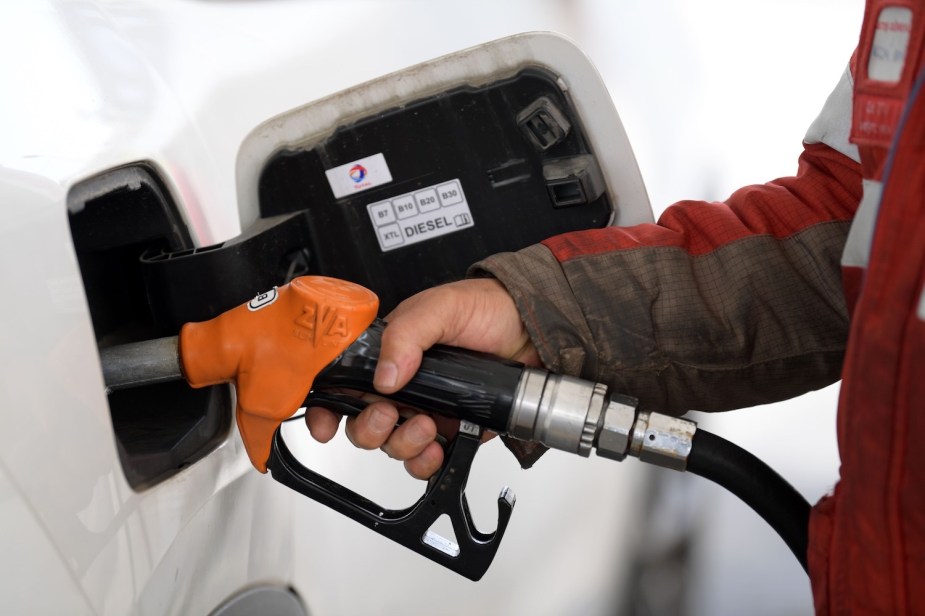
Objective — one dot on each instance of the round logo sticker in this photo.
(357, 173)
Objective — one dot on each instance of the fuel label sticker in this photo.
(420, 215)
(358, 175)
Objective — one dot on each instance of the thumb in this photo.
(414, 326)
(476, 314)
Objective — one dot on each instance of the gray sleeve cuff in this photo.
(547, 306)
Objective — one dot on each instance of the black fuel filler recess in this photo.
(514, 150)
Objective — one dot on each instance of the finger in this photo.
(371, 428)
(411, 438)
(322, 423)
(425, 464)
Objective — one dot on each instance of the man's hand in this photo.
(476, 314)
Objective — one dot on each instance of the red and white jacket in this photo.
(783, 288)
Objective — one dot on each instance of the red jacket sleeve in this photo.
(716, 306)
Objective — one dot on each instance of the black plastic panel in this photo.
(115, 218)
(201, 283)
(497, 140)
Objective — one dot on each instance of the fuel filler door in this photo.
(401, 183)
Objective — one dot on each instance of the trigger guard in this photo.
(410, 527)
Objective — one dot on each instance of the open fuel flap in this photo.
(401, 183)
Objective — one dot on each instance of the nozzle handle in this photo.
(472, 551)
(453, 382)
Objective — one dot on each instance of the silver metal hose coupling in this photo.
(577, 416)
(652, 437)
(559, 411)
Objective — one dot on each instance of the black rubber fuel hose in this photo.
(757, 484)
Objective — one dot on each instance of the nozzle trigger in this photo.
(411, 527)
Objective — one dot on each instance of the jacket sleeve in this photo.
(714, 307)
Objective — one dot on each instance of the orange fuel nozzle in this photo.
(273, 347)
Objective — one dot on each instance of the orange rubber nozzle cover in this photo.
(273, 347)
